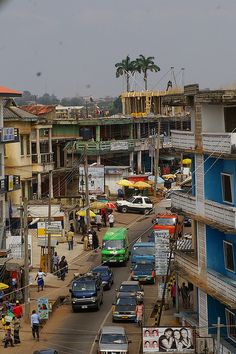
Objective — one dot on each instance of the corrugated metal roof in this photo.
(39, 109)
(16, 113)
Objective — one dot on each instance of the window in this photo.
(138, 201)
(22, 150)
(27, 137)
(231, 324)
(227, 187)
(229, 256)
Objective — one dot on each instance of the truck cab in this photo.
(86, 292)
(170, 222)
(143, 252)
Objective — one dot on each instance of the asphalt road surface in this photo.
(76, 332)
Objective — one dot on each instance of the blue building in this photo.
(211, 203)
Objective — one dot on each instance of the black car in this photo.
(106, 276)
(124, 307)
(144, 272)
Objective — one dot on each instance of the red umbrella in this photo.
(110, 205)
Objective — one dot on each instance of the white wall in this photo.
(213, 118)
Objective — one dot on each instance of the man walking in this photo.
(70, 239)
(63, 267)
(35, 324)
(111, 220)
(16, 329)
(98, 221)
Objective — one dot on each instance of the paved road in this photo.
(71, 332)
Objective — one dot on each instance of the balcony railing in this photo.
(184, 201)
(9, 135)
(184, 140)
(219, 142)
(42, 158)
(103, 147)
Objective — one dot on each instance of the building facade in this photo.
(211, 203)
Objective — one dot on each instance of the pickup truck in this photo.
(138, 203)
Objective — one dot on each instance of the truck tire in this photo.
(124, 209)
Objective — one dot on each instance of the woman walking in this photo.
(39, 278)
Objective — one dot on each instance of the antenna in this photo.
(183, 72)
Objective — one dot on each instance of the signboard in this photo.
(119, 145)
(95, 179)
(10, 183)
(43, 308)
(171, 340)
(162, 251)
(55, 228)
(14, 243)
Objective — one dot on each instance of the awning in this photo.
(167, 158)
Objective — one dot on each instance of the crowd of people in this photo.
(11, 315)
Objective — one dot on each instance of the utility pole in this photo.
(48, 228)
(156, 157)
(26, 260)
(218, 326)
(86, 186)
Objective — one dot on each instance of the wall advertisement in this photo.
(95, 179)
(43, 308)
(168, 339)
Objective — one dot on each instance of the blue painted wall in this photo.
(212, 181)
(215, 251)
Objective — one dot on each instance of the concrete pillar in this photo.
(65, 158)
(58, 164)
(39, 186)
(131, 161)
(51, 183)
(139, 162)
(38, 146)
(138, 131)
(50, 140)
(98, 131)
(99, 159)
(131, 131)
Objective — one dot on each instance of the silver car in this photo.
(112, 340)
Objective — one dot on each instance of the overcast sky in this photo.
(75, 43)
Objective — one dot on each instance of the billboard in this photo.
(168, 339)
(162, 251)
(95, 179)
(43, 309)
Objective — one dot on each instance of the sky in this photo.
(73, 45)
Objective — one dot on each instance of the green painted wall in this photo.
(65, 130)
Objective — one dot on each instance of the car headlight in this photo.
(115, 313)
(93, 299)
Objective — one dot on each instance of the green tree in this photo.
(144, 64)
(126, 67)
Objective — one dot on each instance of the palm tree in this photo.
(144, 64)
(125, 67)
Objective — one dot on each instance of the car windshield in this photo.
(166, 221)
(103, 271)
(143, 267)
(129, 288)
(113, 244)
(83, 286)
(126, 301)
(143, 251)
(113, 338)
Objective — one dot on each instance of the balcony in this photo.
(183, 140)
(42, 162)
(214, 284)
(223, 143)
(214, 214)
(9, 135)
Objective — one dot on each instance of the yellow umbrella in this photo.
(3, 286)
(83, 213)
(125, 183)
(97, 205)
(186, 161)
(141, 185)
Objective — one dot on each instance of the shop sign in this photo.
(119, 145)
(43, 308)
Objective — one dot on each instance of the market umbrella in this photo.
(3, 286)
(125, 183)
(186, 161)
(110, 205)
(83, 213)
(141, 185)
(98, 205)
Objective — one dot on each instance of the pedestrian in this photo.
(86, 242)
(184, 294)
(98, 221)
(8, 335)
(95, 241)
(39, 278)
(139, 313)
(16, 329)
(18, 310)
(70, 239)
(90, 239)
(173, 293)
(111, 220)
(62, 268)
(55, 263)
(104, 216)
(35, 321)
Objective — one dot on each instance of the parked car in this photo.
(106, 275)
(132, 287)
(124, 308)
(138, 203)
(46, 351)
(144, 272)
(86, 292)
(112, 340)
